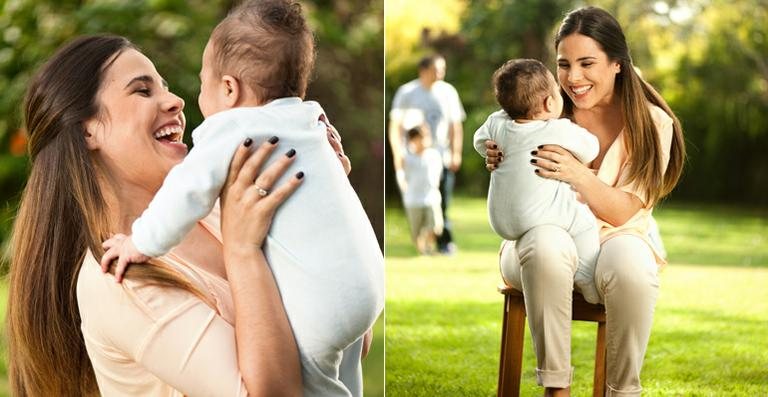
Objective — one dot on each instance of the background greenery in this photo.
(347, 81)
(708, 339)
(708, 59)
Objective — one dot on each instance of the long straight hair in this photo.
(642, 138)
(62, 216)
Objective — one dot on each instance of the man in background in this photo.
(442, 110)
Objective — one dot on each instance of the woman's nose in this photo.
(574, 75)
(173, 103)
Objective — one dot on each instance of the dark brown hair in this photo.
(268, 46)
(642, 143)
(62, 216)
(521, 86)
(429, 60)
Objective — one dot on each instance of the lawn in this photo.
(710, 334)
(373, 365)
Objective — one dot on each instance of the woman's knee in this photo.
(626, 266)
(547, 249)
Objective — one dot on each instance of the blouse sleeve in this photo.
(169, 332)
(664, 126)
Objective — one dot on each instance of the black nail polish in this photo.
(248, 142)
(533, 161)
(541, 146)
(300, 175)
(273, 140)
(536, 170)
(534, 152)
(290, 153)
(501, 154)
(494, 147)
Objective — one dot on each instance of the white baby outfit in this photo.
(321, 247)
(518, 199)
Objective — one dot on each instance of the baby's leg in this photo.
(351, 369)
(588, 247)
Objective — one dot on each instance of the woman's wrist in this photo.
(241, 253)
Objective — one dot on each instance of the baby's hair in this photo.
(429, 60)
(267, 45)
(521, 85)
(415, 132)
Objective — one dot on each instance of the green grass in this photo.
(373, 365)
(710, 334)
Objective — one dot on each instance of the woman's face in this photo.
(139, 127)
(584, 71)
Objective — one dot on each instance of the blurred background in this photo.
(347, 81)
(709, 60)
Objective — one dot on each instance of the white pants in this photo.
(321, 379)
(627, 281)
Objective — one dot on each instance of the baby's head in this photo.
(419, 138)
(526, 90)
(262, 50)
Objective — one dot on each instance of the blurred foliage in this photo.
(347, 78)
(708, 59)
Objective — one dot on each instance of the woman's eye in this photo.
(586, 65)
(144, 91)
(562, 66)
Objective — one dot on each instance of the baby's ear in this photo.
(549, 103)
(231, 90)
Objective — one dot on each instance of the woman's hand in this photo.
(554, 162)
(493, 155)
(335, 140)
(249, 198)
(267, 356)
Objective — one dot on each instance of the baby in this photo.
(321, 247)
(518, 199)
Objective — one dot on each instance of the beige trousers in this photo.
(627, 281)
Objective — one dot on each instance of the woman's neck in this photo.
(605, 121)
(125, 201)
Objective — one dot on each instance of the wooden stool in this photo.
(513, 331)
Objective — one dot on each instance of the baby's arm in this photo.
(577, 140)
(190, 189)
(481, 135)
(121, 247)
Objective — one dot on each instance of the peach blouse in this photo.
(151, 341)
(613, 172)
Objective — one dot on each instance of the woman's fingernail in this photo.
(248, 142)
(300, 175)
(273, 140)
(290, 153)
(533, 161)
(541, 146)
(536, 170)
(534, 152)
(340, 155)
(494, 147)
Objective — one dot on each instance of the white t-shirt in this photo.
(518, 199)
(422, 176)
(441, 106)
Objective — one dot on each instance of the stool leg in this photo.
(598, 389)
(511, 363)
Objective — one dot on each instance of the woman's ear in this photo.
(93, 131)
(232, 93)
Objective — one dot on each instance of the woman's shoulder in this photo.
(659, 116)
(100, 297)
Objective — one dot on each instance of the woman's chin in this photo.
(175, 148)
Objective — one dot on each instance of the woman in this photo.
(95, 165)
(640, 161)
